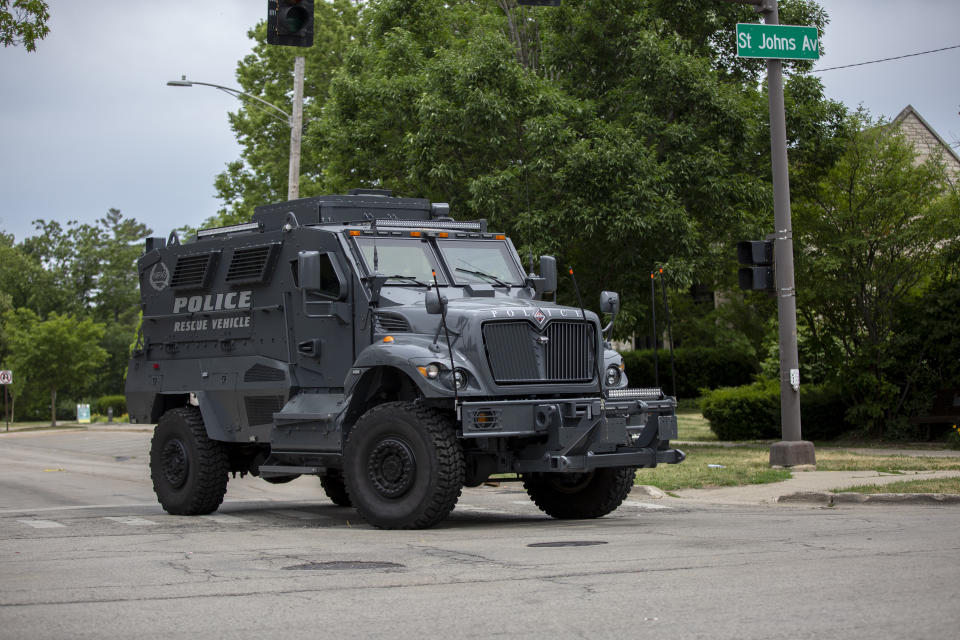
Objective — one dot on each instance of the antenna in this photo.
(596, 359)
(446, 334)
(666, 308)
(653, 312)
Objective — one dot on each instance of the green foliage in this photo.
(23, 22)
(752, 412)
(696, 368)
(116, 402)
(749, 412)
(868, 235)
(628, 132)
(61, 353)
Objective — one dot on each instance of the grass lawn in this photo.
(936, 485)
(737, 466)
(750, 464)
(693, 426)
(841, 460)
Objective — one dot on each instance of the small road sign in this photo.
(6, 377)
(785, 42)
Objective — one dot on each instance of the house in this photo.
(927, 141)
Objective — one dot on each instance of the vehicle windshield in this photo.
(404, 260)
(480, 261)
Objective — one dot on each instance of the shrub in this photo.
(696, 368)
(118, 403)
(752, 412)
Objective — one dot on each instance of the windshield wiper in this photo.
(409, 279)
(481, 274)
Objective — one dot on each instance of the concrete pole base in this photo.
(792, 453)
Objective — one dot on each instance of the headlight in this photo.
(431, 371)
(460, 379)
(612, 378)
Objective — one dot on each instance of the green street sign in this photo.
(782, 41)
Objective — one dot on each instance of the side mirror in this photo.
(610, 303)
(308, 271)
(436, 304)
(548, 271)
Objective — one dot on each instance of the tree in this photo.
(260, 175)
(869, 235)
(617, 136)
(23, 22)
(59, 353)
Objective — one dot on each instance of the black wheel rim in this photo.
(176, 465)
(572, 482)
(392, 467)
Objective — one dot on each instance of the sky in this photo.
(87, 122)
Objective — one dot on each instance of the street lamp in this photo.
(294, 121)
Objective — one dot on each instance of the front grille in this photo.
(519, 353)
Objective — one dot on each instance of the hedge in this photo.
(696, 368)
(752, 412)
(104, 403)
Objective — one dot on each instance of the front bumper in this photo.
(629, 428)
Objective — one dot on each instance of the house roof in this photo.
(907, 111)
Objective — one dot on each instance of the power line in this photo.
(908, 55)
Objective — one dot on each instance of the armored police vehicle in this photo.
(392, 351)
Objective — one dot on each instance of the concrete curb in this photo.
(830, 499)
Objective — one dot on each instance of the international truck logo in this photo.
(540, 316)
(160, 276)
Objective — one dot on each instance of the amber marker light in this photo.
(354, 233)
(500, 237)
(443, 234)
(415, 234)
(388, 339)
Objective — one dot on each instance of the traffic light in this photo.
(758, 276)
(290, 22)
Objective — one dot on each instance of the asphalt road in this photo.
(85, 552)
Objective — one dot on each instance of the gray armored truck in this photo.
(392, 351)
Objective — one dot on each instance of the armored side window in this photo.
(317, 275)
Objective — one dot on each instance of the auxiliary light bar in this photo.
(634, 394)
(459, 225)
(236, 228)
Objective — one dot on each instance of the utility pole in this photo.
(792, 450)
(296, 129)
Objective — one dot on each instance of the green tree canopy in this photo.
(618, 136)
(23, 22)
(59, 353)
(869, 234)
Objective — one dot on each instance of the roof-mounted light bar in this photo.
(460, 225)
(235, 228)
(635, 394)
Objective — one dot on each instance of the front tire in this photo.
(335, 488)
(575, 496)
(403, 466)
(188, 469)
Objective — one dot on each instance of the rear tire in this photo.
(403, 466)
(575, 496)
(188, 469)
(335, 488)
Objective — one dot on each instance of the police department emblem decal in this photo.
(160, 276)
(540, 316)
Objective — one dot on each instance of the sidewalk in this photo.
(809, 486)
